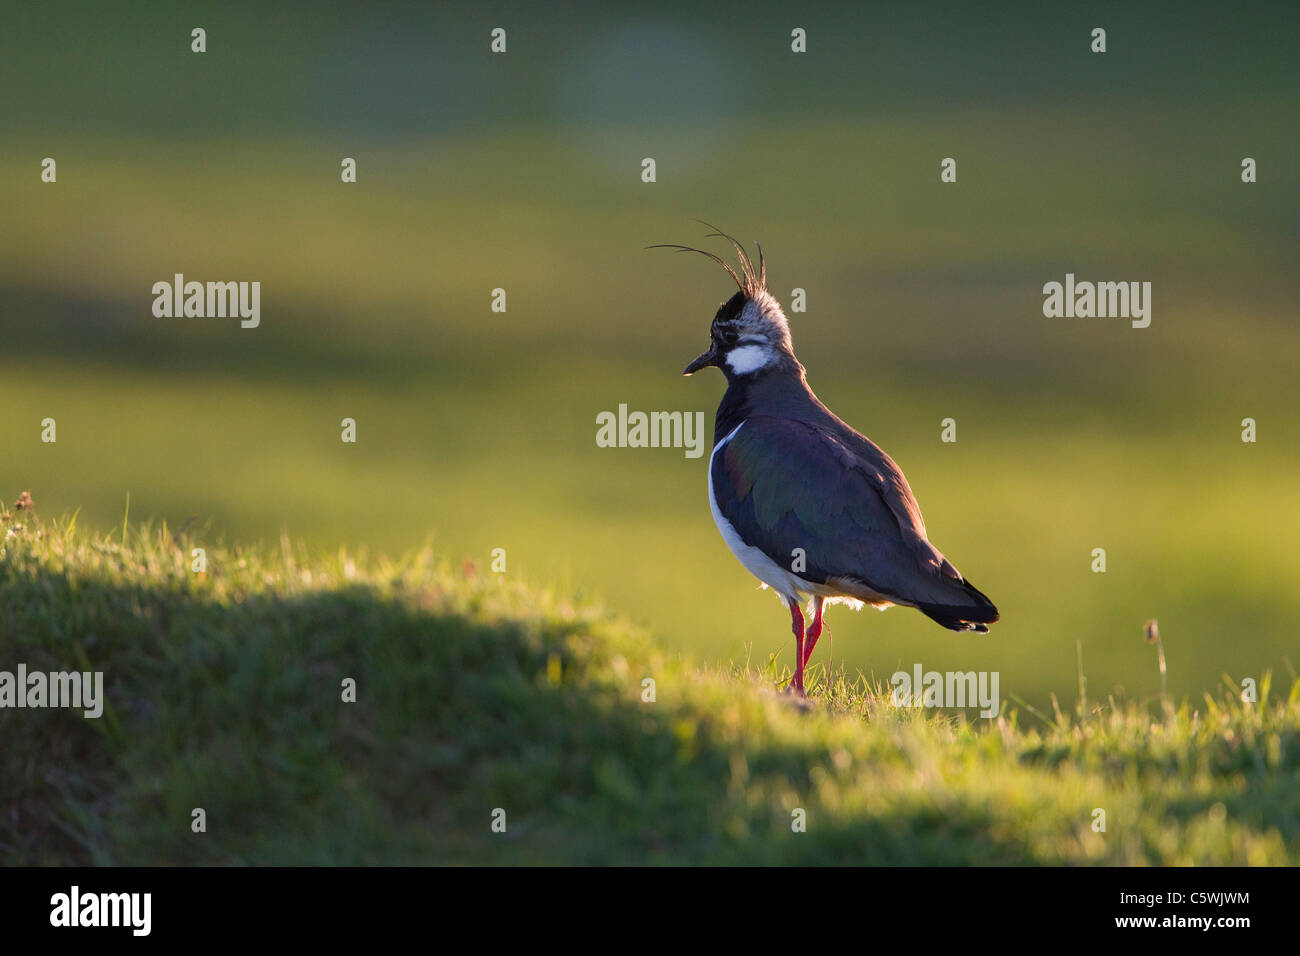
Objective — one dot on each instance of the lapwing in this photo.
(811, 507)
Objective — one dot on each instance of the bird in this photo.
(810, 506)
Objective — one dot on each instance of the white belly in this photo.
(785, 583)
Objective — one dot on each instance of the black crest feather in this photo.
(749, 281)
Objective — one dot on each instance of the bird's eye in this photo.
(728, 336)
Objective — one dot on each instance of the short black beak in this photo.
(703, 361)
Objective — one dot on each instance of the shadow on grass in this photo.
(236, 707)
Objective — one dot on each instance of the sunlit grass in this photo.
(475, 692)
(478, 427)
(1017, 504)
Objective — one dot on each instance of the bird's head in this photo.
(749, 333)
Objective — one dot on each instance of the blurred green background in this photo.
(522, 171)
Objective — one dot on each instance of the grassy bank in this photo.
(475, 692)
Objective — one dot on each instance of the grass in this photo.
(523, 172)
(476, 692)
(924, 303)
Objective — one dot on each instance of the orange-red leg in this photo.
(796, 625)
(815, 631)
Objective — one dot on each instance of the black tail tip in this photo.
(974, 619)
(971, 610)
(957, 622)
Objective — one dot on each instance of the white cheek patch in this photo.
(749, 358)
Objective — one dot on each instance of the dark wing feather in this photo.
(786, 484)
